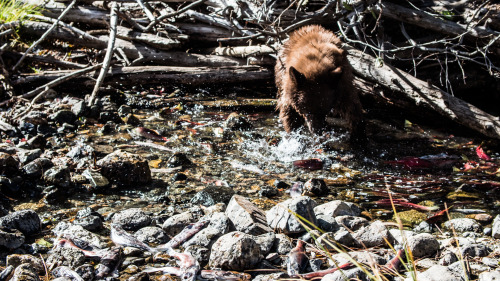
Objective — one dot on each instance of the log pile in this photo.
(417, 55)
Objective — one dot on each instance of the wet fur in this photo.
(313, 77)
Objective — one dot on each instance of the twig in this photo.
(44, 35)
(6, 32)
(148, 13)
(109, 54)
(72, 28)
(160, 18)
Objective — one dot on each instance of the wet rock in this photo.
(12, 239)
(463, 224)
(490, 276)
(423, 245)
(349, 274)
(337, 208)
(375, 234)
(37, 142)
(282, 244)
(483, 218)
(35, 117)
(351, 222)
(265, 242)
(8, 164)
(81, 151)
(80, 108)
(246, 217)
(36, 167)
(179, 159)
(108, 128)
(237, 122)
(35, 262)
(59, 176)
(495, 229)
(88, 219)
(327, 223)
(5, 273)
(151, 234)
(132, 219)
(26, 156)
(96, 179)
(125, 168)
(235, 251)
(26, 221)
(474, 250)
(86, 271)
(315, 187)
(176, 223)
(280, 219)
(218, 226)
(109, 116)
(25, 272)
(64, 229)
(63, 116)
(268, 191)
(131, 119)
(124, 110)
(212, 195)
(65, 256)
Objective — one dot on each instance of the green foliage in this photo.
(12, 10)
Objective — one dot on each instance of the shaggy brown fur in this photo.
(313, 77)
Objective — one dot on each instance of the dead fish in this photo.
(222, 275)
(149, 134)
(189, 266)
(297, 259)
(165, 270)
(97, 253)
(184, 235)
(109, 264)
(64, 271)
(318, 274)
(406, 204)
(122, 238)
(393, 265)
(311, 164)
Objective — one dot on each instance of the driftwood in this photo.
(424, 95)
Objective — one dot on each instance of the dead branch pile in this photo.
(413, 55)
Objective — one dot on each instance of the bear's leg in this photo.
(290, 118)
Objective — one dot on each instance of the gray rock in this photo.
(495, 229)
(26, 156)
(438, 273)
(375, 234)
(26, 221)
(235, 251)
(265, 242)
(490, 276)
(491, 262)
(463, 224)
(474, 250)
(212, 195)
(63, 116)
(11, 240)
(364, 257)
(448, 258)
(80, 108)
(90, 222)
(8, 164)
(218, 226)
(400, 236)
(315, 187)
(125, 168)
(351, 222)
(349, 274)
(425, 263)
(423, 245)
(337, 208)
(328, 240)
(36, 167)
(25, 272)
(246, 217)
(423, 227)
(86, 271)
(64, 229)
(132, 219)
(65, 256)
(280, 219)
(59, 176)
(176, 223)
(200, 253)
(282, 244)
(151, 234)
(37, 141)
(35, 262)
(327, 223)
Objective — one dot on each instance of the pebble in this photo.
(25, 272)
(26, 221)
(125, 168)
(463, 224)
(495, 229)
(70, 257)
(16, 260)
(11, 240)
(337, 208)
(151, 234)
(375, 234)
(438, 273)
(176, 223)
(423, 245)
(132, 219)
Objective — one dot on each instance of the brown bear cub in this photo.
(313, 78)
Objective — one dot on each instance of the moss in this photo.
(411, 217)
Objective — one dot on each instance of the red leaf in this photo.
(480, 153)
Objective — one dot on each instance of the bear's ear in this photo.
(296, 76)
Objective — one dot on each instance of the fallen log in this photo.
(423, 95)
(134, 75)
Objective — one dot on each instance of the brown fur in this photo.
(313, 77)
